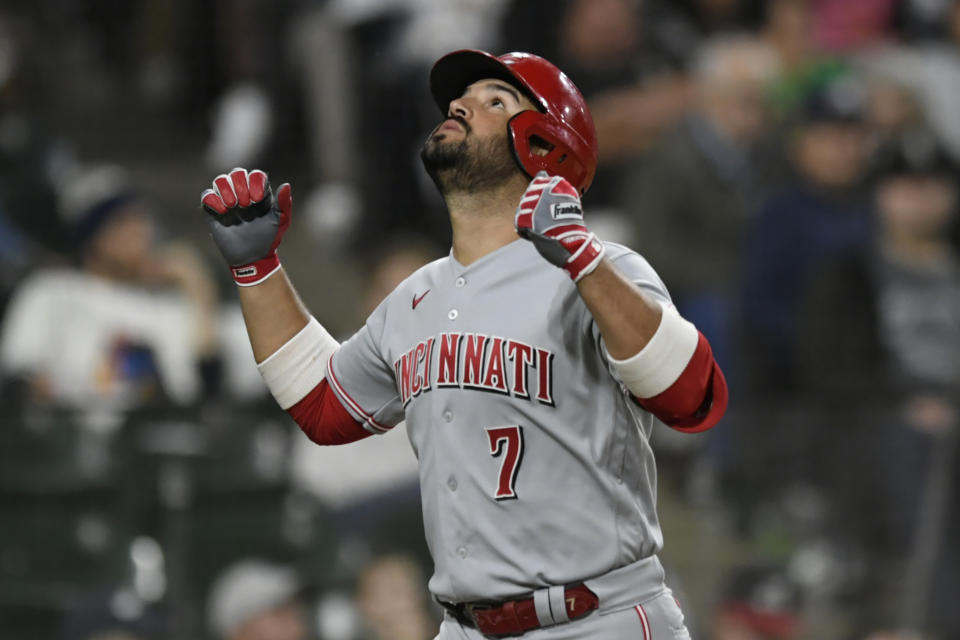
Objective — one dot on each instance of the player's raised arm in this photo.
(247, 221)
(663, 360)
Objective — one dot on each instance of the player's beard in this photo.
(470, 165)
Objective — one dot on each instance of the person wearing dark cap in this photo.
(690, 199)
(882, 356)
(129, 326)
(822, 211)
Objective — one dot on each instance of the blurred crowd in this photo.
(789, 167)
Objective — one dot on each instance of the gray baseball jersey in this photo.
(535, 465)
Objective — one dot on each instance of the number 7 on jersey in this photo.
(507, 444)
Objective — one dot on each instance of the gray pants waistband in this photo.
(629, 585)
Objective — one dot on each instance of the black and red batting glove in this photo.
(551, 217)
(247, 222)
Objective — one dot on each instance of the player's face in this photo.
(483, 110)
(470, 150)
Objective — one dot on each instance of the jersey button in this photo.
(461, 281)
(453, 314)
(452, 483)
(447, 416)
(462, 552)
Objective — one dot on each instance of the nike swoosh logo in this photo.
(416, 299)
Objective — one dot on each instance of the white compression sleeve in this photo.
(660, 363)
(294, 369)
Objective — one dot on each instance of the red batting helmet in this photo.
(563, 119)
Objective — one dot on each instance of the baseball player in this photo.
(529, 365)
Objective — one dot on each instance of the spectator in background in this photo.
(892, 635)
(371, 486)
(635, 89)
(917, 20)
(683, 26)
(135, 324)
(689, 200)
(804, 66)
(882, 352)
(931, 68)
(31, 162)
(892, 109)
(716, 17)
(758, 602)
(824, 210)
(392, 602)
(842, 26)
(390, 44)
(787, 29)
(17, 257)
(257, 600)
(95, 617)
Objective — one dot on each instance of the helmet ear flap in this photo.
(541, 143)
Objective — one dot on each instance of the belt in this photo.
(513, 617)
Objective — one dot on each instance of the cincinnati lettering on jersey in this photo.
(476, 361)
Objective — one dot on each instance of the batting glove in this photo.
(247, 222)
(550, 216)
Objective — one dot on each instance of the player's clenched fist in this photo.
(550, 216)
(247, 221)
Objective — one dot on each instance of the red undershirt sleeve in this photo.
(325, 421)
(697, 399)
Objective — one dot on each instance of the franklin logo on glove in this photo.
(566, 210)
(566, 244)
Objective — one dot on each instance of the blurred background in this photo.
(788, 166)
